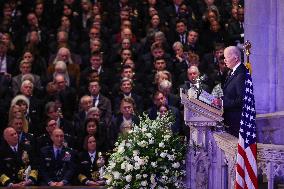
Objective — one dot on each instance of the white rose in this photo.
(120, 149)
(128, 167)
(171, 157)
(154, 164)
(141, 162)
(127, 144)
(136, 158)
(108, 181)
(138, 176)
(123, 166)
(161, 145)
(128, 178)
(176, 165)
(145, 175)
(151, 141)
(136, 166)
(167, 137)
(163, 155)
(149, 135)
(135, 152)
(116, 175)
(144, 183)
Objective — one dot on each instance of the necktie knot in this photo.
(92, 158)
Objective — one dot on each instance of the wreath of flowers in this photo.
(148, 156)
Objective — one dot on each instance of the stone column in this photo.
(264, 23)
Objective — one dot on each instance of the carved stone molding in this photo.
(199, 164)
(199, 109)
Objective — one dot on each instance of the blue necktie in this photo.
(57, 154)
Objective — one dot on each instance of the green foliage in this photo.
(149, 156)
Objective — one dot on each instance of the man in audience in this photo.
(57, 164)
(15, 160)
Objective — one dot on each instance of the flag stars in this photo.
(248, 133)
(253, 135)
(249, 125)
(242, 122)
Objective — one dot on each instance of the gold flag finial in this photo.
(247, 47)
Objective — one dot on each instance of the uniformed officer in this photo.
(88, 169)
(17, 166)
(57, 162)
(45, 139)
(27, 139)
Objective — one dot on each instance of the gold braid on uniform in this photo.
(3, 179)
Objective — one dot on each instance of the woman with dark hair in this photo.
(88, 168)
(93, 127)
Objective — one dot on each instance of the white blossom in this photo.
(128, 178)
(120, 149)
(163, 155)
(176, 165)
(161, 145)
(123, 166)
(128, 167)
(151, 141)
(144, 183)
(138, 176)
(116, 175)
(135, 153)
(145, 175)
(154, 164)
(149, 135)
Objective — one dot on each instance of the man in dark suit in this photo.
(124, 120)
(153, 112)
(15, 161)
(233, 90)
(100, 101)
(57, 164)
(7, 63)
(25, 68)
(236, 28)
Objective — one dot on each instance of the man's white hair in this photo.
(233, 51)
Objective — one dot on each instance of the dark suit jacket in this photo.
(137, 99)
(12, 66)
(176, 126)
(17, 82)
(234, 90)
(57, 170)
(105, 106)
(235, 32)
(115, 127)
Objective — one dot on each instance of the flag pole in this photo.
(247, 47)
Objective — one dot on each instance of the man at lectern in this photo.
(233, 89)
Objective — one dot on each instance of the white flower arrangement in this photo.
(150, 156)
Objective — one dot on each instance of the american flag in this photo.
(246, 171)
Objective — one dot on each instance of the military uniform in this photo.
(17, 166)
(88, 171)
(59, 169)
(45, 140)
